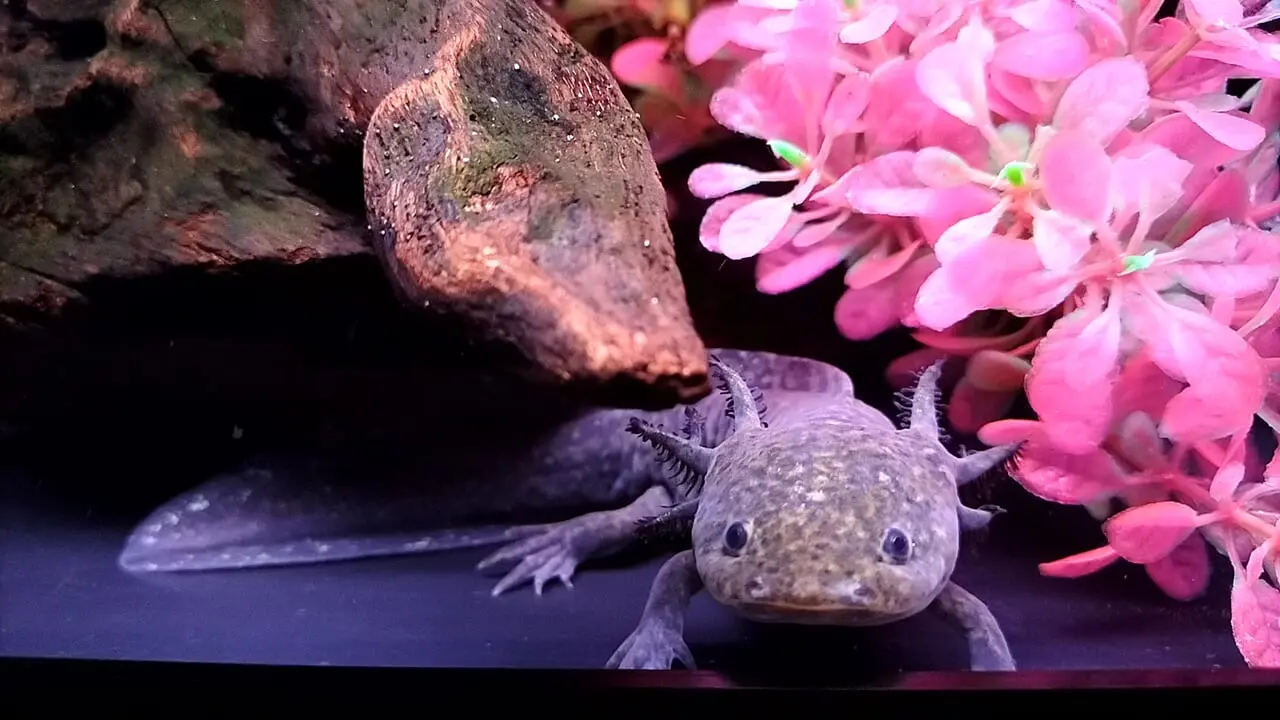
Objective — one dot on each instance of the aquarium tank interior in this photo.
(878, 337)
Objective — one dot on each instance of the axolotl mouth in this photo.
(816, 614)
(852, 604)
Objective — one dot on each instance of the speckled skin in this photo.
(817, 499)
(827, 515)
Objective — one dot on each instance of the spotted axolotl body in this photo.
(828, 514)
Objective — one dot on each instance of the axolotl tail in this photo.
(291, 511)
(275, 513)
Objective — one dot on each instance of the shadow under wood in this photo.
(189, 371)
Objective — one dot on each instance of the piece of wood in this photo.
(505, 179)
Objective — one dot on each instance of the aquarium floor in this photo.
(61, 595)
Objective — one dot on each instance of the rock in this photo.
(143, 139)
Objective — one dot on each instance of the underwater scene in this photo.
(881, 336)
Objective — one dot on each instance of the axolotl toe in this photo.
(826, 515)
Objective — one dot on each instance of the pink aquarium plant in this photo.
(1064, 195)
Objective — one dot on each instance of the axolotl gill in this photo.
(826, 514)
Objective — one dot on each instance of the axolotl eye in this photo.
(896, 546)
(735, 538)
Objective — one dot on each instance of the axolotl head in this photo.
(822, 524)
(826, 518)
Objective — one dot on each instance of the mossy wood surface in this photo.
(504, 181)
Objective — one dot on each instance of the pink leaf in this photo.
(813, 233)
(939, 168)
(1138, 442)
(895, 106)
(1080, 564)
(1045, 15)
(1227, 480)
(747, 105)
(1146, 533)
(1266, 104)
(954, 341)
(909, 280)
(1227, 280)
(997, 371)
(1060, 240)
(887, 185)
(848, 101)
(871, 269)
(953, 76)
(1204, 13)
(1102, 18)
(1215, 242)
(1235, 131)
(751, 228)
(1037, 291)
(972, 407)
(1149, 179)
(1255, 614)
(1076, 175)
(1063, 478)
(1228, 380)
(865, 313)
(966, 233)
(1209, 263)
(969, 281)
(1015, 97)
(1189, 141)
(642, 63)
(1184, 573)
(1104, 99)
(1143, 387)
(715, 26)
(713, 219)
(1005, 432)
(807, 48)
(789, 267)
(1071, 376)
(871, 26)
(714, 180)
(1043, 55)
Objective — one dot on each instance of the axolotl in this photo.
(795, 524)
(825, 514)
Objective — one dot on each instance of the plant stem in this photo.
(1172, 56)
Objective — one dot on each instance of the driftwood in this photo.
(491, 164)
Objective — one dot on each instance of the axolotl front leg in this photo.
(659, 637)
(962, 610)
(555, 550)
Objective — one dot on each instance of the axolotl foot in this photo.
(988, 650)
(658, 639)
(555, 551)
(653, 645)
